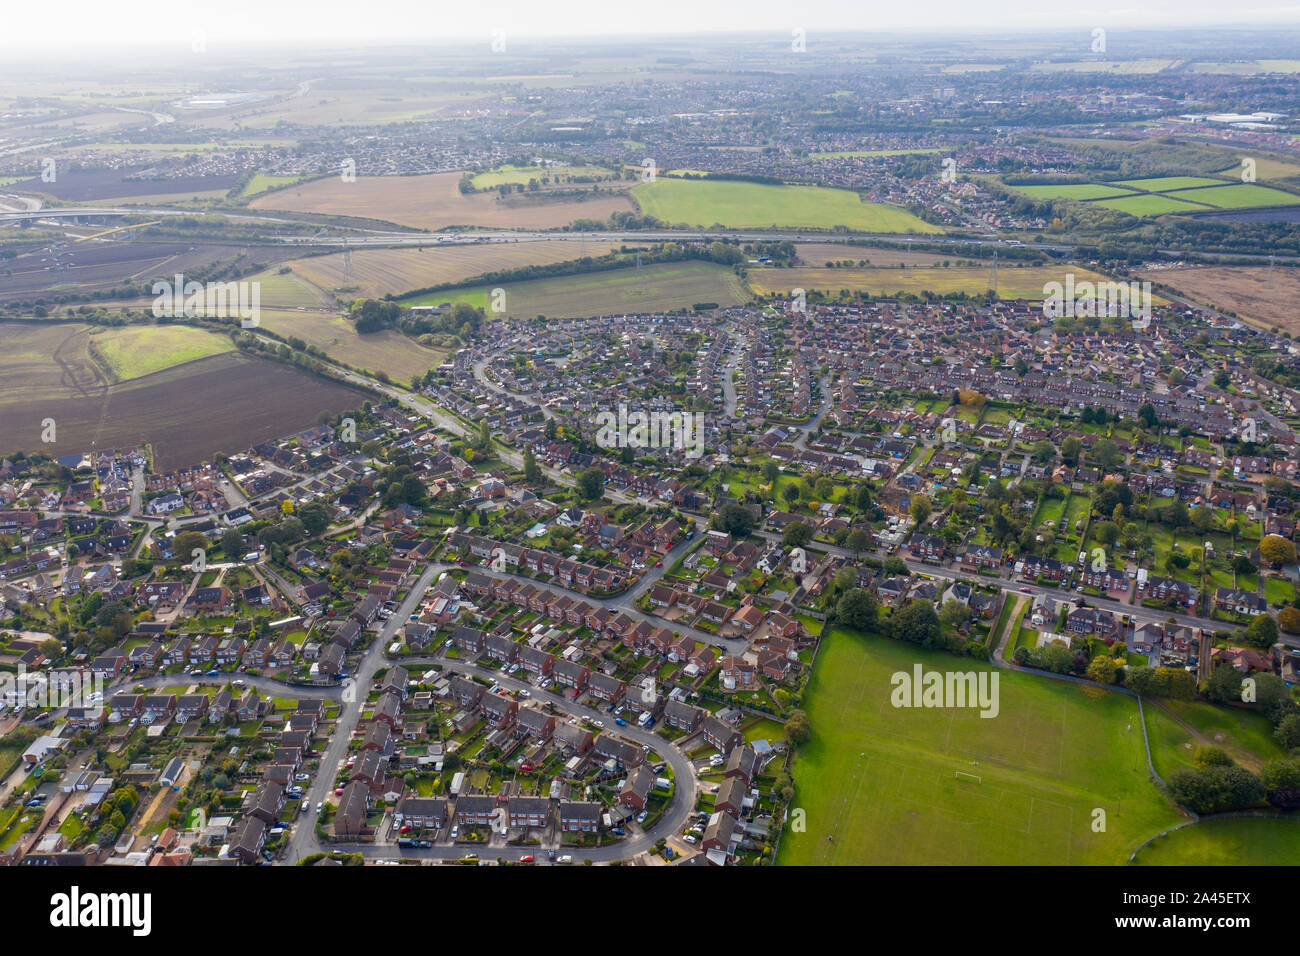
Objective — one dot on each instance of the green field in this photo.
(1149, 205)
(738, 205)
(1238, 842)
(881, 782)
(261, 182)
(135, 350)
(1160, 184)
(1245, 734)
(1078, 191)
(522, 174)
(672, 285)
(1239, 196)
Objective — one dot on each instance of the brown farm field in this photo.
(1254, 293)
(392, 352)
(187, 412)
(434, 201)
(379, 272)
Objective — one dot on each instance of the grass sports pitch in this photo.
(895, 786)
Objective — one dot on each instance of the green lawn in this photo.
(1241, 842)
(261, 182)
(1072, 191)
(1238, 196)
(1160, 184)
(522, 174)
(1245, 734)
(881, 782)
(740, 205)
(1149, 205)
(135, 350)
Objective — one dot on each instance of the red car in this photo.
(659, 564)
(526, 767)
(406, 829)
(338, 791)
(526, 859)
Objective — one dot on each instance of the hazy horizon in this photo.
(150, 24)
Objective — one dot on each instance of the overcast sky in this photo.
(27, 25)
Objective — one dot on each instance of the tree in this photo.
(1288, 732)
(1105, 453)
(797, 534)
(1224, 685)
(825, 488)
(917, 623)
(1215, 789)
(859, 540)
(1056, 657)
(1043, 451)
(921, 509)
(532, 471)
(1070, 449)
(1106, 533)
(736, 520)
(1281, 782)
(863, 499)
(1262, 631)
(771, 472)
(791, 493)
(232, 543)
(187, 542)
(1103, 669)
(1276, 550)
(857, 609)
(591, 484)
(1140, 679)
(797, 728)
(953, 613)
(315, 517)
(1288, 619)
(1203, 518)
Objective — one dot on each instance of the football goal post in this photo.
(962, 775)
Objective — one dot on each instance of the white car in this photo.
(599, 723)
